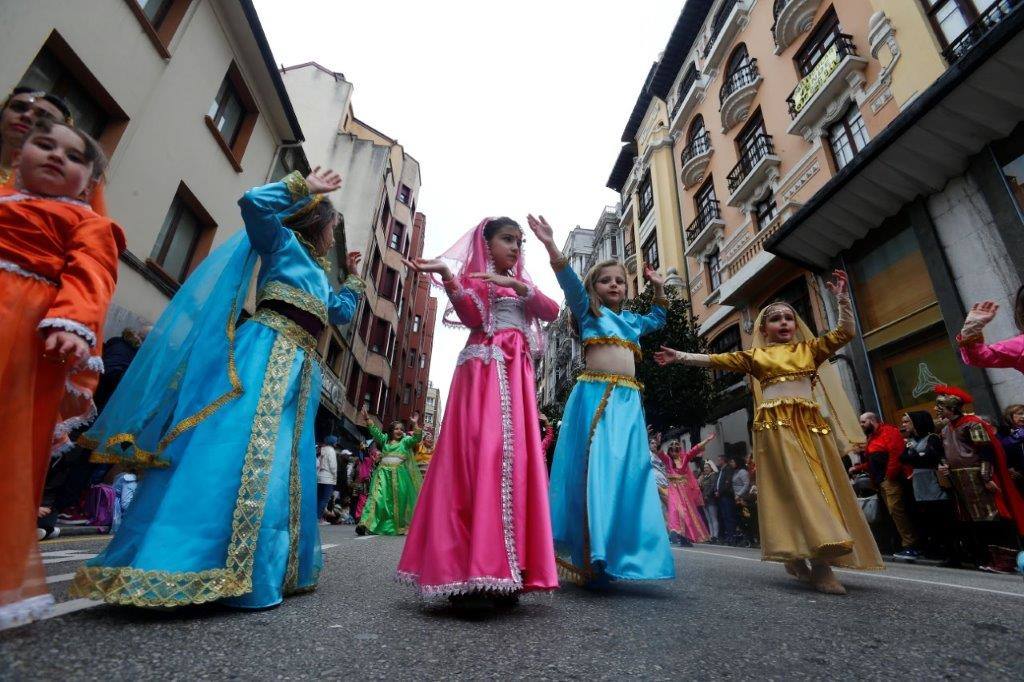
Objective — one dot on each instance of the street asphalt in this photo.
(726, 616)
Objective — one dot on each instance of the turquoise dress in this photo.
(605, 511)
(223, 414)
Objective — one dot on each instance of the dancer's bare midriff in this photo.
(610, 358)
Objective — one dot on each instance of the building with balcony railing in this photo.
(378, 199)
(767, 101)
(927, 214)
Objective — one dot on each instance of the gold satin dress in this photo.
(806, 505)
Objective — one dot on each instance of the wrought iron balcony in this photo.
(760, 147)
(716, 28)
(630, 249)
(821, 74)
(745, 75)
(684, 89)
(708, 212)
(701, 144)
(989, 19)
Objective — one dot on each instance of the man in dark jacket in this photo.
(726, 497)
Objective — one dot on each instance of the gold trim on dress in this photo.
(614, 341)
(303, 300)
(623, 380)
(296, 185)
(788, 376)
(139, 587)
(291, 574)
(289, 328)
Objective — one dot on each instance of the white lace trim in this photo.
(479, 305)
(16, 269)
(481, 584)
(25, 611)
(480, 351)
(69, 326)
(29, 196)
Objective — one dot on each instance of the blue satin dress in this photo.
(606, 513)
(231, 515)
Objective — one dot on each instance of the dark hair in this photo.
(492, 226)
(394, 424)
(1018, 309)
(310, 224)
(52, 99)
(923, 423)
(93, 152)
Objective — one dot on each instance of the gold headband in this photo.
(771, 308)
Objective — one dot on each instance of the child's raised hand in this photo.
(428, 265)
(652, 275)
(838, 284)
(541, 228)
(666, 356)
(982, 313)
(352, 262)
(322, 181)
(63, 346)
(496, 279)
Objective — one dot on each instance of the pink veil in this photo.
(471, 254)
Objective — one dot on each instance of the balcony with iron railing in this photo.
(704, 226)
(988, 20)
(756, 163)
(737, 93)
(792, 18)
(729, 20)
(695, 159)
(837, 70)
(690, 93)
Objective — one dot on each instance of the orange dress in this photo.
(58, 270)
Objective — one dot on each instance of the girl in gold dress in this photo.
(803, 421)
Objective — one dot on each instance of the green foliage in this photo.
(675, 396)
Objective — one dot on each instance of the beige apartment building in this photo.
(186, 99)
(378, 197)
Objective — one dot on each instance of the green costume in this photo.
(394, 486)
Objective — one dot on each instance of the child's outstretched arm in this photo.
(465, 298)
(738, 361)
(576, 296)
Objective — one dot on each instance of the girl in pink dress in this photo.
(482, 524)
(684, 496)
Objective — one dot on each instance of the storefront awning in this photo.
(978, 100)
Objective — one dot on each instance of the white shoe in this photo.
(40, 533)
(53, 533)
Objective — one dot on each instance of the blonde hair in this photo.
(590, 281)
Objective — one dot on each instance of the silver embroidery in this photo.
(485, 353)
(483, 584)
(69, 326)
(16, 269)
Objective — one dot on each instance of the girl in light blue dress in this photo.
(222, 415)
(606, 514)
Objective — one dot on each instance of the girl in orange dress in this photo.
(58, 269)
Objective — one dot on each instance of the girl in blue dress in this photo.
(606, 514)
(222, 414)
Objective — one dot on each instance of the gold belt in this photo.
(611, 378)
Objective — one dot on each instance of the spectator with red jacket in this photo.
(885, 447)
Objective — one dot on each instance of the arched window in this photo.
(697, 129)
(698, 140)
(740, 70)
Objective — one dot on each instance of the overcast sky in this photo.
(510, 107)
